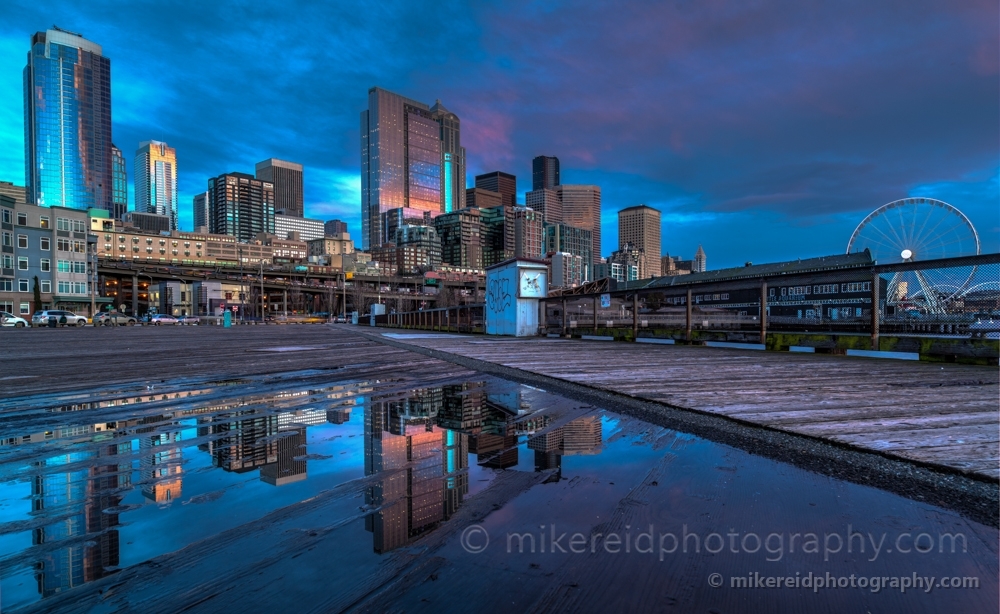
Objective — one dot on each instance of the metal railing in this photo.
(458, 319)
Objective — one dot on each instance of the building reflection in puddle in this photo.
(422, 445)
(418, 440)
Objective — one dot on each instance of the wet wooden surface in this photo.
(942, 414)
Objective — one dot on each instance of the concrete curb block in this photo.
(735, 346)
(654, 340)
(877, 354)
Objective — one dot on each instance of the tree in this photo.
(38, 296)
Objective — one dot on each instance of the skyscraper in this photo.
(700, 264)
(411, 157)
(452, 158)
(640, 226)
(119, 184)
(498, 181)
(201, 215)
(333, 228)
(155, 176)
(67, 122)
(483, 199)
(461, 234)
(240, 205)
(287, 180)
(547, 203)
(582, 209)
(572, 240)
(544, 173)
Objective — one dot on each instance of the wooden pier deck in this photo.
(940, 414)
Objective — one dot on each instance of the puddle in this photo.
(95, 486)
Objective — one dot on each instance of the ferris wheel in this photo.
(912, 229)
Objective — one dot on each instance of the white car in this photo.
(9, 319)
(67, 318)
(162, 318)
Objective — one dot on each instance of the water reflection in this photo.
(417, 443)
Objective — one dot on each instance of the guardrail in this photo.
(458, 319)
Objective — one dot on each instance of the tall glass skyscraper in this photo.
(156, 180)
(544, 173)
(67, 122)
(411, 157)
(119, 184)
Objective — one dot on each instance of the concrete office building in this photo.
(241, 206)
(528, 235)
(308, 229)
(334, 227)
(640, 227)
(581, 208)
(461, 235)
(199, 204)
(547, 203)
(578, 241)
(497, 181)
(15, 192)
(287, 180)
(483, 199)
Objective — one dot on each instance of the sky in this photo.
(763, 131)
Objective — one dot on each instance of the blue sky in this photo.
(762, 130)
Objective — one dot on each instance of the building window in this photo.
(25, 309)
(46, 265)
(45, 244)
(22, 285)
(46, 286)
(22, 241)
(22, 219)
(8, 262)
(62, 223)
(6, 216)
(149, 241)
(64, 245)
(8, 239)
(43, 221)
(22, 264)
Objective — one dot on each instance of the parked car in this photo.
(41, 318)
(189, 320)
(9, 319)
(114, 318)
(162, 318)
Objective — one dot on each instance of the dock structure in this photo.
(939, 414)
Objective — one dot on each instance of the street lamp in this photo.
(149, 289)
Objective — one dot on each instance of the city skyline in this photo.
(777, 163)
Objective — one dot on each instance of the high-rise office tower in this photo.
(461, 234)
(452, 158)
(547, 203)
(544, 173)
(640, 226)
(334, 228)
(287, 180)
(483, 199)
(498, 234)
(498, 181)
(240, 206)
(155, 176)
(408, 150)
(67, 122)
(700, 264)
(582, 208)
(571, 240)
(201, 215)
(528, 237)
(119, 184)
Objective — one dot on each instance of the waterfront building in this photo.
(568, 270)
(155, 174)
(630, 255)
(640, 227)
(287, 180)
(566, 238)
(150, 222)
(616, 271)
(240, 205)
(67, 122)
